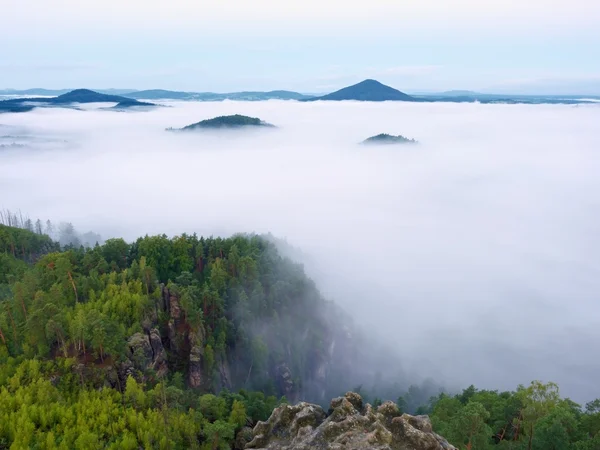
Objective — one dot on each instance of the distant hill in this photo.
(76, 96)
(270, 95)
(388, 139)
(369, 91)
(8, 106)
(474, 97)
(34, 91)
(86, 96)
(57, 92)
(114, 91)
(155, 94)
(457, 93)
(129, 103)
(234, 121)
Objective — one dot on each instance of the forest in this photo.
(187, 342)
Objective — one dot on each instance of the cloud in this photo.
(472, 255)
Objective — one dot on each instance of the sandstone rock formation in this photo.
(348, 425)
(147, 352)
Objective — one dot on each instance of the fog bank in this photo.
(474, 254)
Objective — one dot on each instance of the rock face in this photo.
(285, 383)
(147, 352)
(349, 425)
(195, 361)
(182, 339)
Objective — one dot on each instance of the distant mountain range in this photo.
(76, 96)
(472, 97)
(369, 91)
(156, 94)
(457, 93)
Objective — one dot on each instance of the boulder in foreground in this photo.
(349, 424)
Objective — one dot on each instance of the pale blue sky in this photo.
(544, 46)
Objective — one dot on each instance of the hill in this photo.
(86, 96)
(233, 121)
(76, 96)
(8, 106)
(368, 90)
(129, 103)
(158, 326)
(383, 139)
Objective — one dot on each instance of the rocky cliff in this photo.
(349, 424)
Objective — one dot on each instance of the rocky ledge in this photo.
(349, 424)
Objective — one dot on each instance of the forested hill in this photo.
(228, 122)
(223, 312)
(203, 315)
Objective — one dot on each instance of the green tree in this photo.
(538, 400)
(238, 414)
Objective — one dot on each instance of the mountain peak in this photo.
(368, 90)
(78, 92)
(370, 81)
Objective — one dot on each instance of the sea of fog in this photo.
(474, 255)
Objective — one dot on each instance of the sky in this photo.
(504, 46)
(473, 255)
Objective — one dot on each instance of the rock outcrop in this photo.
(195, 377)
(283, 376)
(146, 352)
(182, 340)
(349, 424)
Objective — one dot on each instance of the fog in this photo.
(474, 254)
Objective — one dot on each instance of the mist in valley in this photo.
(472, 256)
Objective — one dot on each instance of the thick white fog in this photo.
(475, 254)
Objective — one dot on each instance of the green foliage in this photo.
(24, 244)
(532, 418)
(238, 417)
